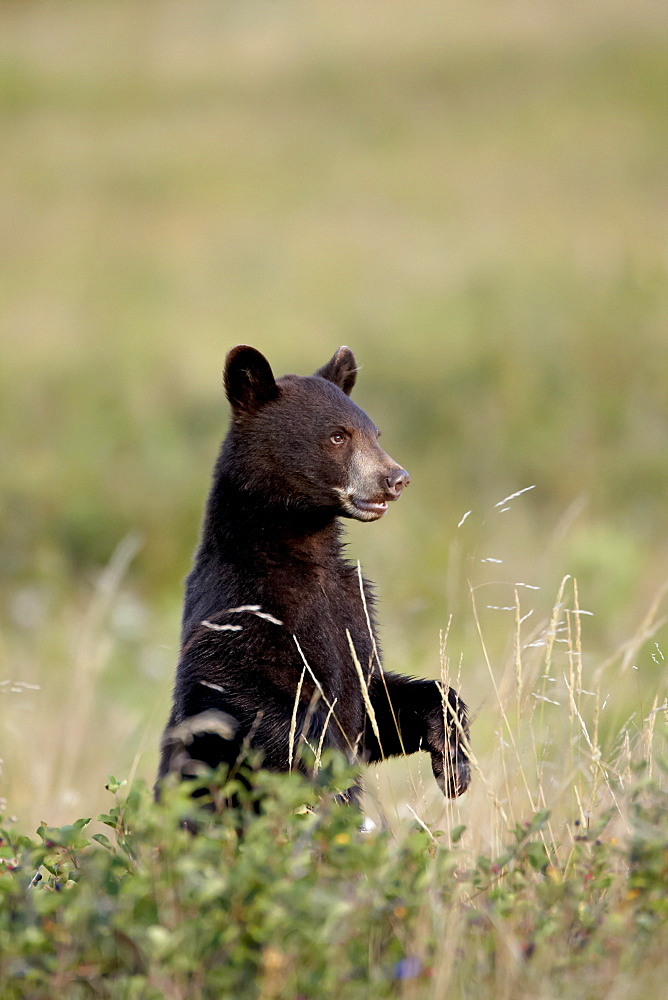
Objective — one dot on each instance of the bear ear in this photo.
(249, 380)
(341, 369)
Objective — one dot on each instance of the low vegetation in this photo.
(556, 889)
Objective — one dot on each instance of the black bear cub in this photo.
(277, 641)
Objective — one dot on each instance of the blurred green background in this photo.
(469, 195)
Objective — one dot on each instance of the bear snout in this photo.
(396, 482)
(374, 480)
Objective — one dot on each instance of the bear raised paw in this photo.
(278, 647)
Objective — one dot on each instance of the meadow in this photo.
(473, 199)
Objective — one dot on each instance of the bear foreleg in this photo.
(414, 715)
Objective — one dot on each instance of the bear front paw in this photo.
(450, 759)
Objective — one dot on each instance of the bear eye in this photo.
(338, 437)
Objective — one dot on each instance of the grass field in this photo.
(472, 198)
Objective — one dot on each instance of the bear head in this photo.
(300, 441)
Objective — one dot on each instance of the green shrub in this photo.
(296, 900)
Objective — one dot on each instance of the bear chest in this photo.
(326, 616)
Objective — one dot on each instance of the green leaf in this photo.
(100, 838)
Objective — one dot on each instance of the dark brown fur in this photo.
(299, 454)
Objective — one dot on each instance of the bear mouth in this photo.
(360, 508)
(375, 507)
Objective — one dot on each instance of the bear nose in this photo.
(396, 482)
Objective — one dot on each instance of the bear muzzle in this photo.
(369, 502)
